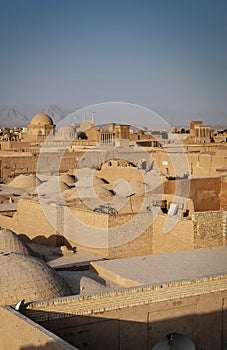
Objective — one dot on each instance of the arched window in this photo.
(175, 341)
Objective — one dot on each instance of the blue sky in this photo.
(171, 54)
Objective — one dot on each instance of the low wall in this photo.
(114, 236)
(16, 163)
(122, 235)
(18, 332)
(137, 318)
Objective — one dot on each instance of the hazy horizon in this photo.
(161, 55)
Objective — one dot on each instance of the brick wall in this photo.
(140, 316)
(209, 229)
(95, 303)
(130, 235)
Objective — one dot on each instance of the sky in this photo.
(75, 53)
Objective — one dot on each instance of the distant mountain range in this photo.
(11, 116)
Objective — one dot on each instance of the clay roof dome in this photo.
(26, 277)
(68, 179)
(10, 242)
(66, 129)
(86, 124)
(41, 119)
(25, 181)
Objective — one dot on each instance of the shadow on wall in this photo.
(112, 332)
(53, 243)
(56, 240)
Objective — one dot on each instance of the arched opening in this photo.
(175, 341)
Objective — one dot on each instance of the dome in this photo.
(124, 187)
(25, 277)
(10, 242)
(25, 181)
(90, 181)
(67, 129)
(86, 124)
(70, 180)
(41, 119)
(53, 185)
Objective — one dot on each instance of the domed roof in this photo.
(25, 181)
(70, 180)
(86, 124)
(124, 188)
(10, 242)
(25, 277)
(66, 129)
(41, 119)
(53, 185)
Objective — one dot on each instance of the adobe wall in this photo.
(92, 134)
(23, 163)
(115, 236)
(6, 222)
(205, 164)
(20, 333)
(203, 191)
(171, 234)
(110, 235)
(35, 221)
(31, 220)
(139, 317)
(133, 236)
(210, 229)
(14, 145)
(94, 158)
(114, 173)
(223, 194)
(135, 204)
(221, 150)
(122, 235)
(15, 163)
(85, 229)
(175, 163)
(197, 164)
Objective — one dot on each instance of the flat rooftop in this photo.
(164, 268)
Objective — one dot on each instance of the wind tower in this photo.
(93, 117)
